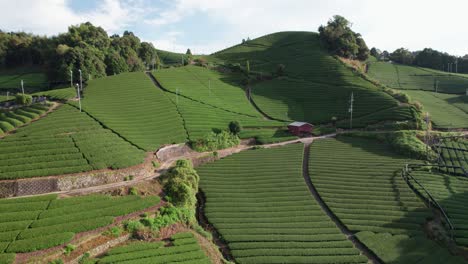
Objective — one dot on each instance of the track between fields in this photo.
(349, 235)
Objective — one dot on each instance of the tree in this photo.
(235, 127)
(375, 52)
(402, 56)
(23, 99)
(147, 54)
(339, 39)
(188, 52)
(280, 69)
(115, 63)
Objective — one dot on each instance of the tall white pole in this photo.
(22, 87)
(81, 81)
(71, 78)
(7, 95)
(351, 110)
(79, 96)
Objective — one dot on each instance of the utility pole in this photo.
(351, 102)
(428, 128)
(71, 78)
(81, 81)
(456, 66)
(78, 93)
(209, 86)
(22, 87)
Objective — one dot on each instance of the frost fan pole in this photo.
(22, 87)
(351, 101)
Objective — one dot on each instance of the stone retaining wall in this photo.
(40, 185)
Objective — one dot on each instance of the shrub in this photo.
(280, 70)
(114, 231)
(181, 184)
(133, 226)
(23, 99)
(69, 249)
(155, 164)
(133, 191)
(235, 127)
(215, 141)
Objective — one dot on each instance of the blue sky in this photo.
(205, 26)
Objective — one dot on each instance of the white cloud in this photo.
(50, 17)
(387, 24)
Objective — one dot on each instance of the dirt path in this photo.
(349, 235)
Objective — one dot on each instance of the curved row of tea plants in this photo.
(65, 141)
(58, 94)
(9, 120)
(261, 206)
(451, 192)
(30, 224)
(359, 179)
(132, 106)
(184, 250)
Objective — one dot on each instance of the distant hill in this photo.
(316, 86)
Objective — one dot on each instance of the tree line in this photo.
(83, 46)
(427, 58)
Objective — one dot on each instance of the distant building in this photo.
(300, 128)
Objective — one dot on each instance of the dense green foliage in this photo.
(10, 120)
(181, 184)
(259, 203)
(266, 136)
(84, 47)
(316, 87)
(451, 193)
(402, 249)
(65, 141)
(133, 107)
(29, 224)
(185, 249)
(215, 141)
(339, 39)
(23, 99)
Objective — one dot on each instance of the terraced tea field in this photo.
(65, 141)
(30, 224)
(444, 114)
(317, 86)
(451, 193)
(209, 87)
(31, 80)
(58, 94)
(414, 78)
(454, 154)
(133, 107)
(360, 181)
(9, 120)
(184, 249)
(261, 206)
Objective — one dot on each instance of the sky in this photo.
(206, 26)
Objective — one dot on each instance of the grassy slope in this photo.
(260, 204)
(317, 86)
(169, 58)
(132, 106)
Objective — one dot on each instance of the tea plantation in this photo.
(316, 87)
(58, 94)
(414, 78)
(10, 120)
(65, 141)
(443, 113)
(454, 155)
(184, 249)
(259, 203)
(133, 107)
(359, 179)
(30, 224)
(451, 193)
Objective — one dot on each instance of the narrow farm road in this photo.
(349, 235)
